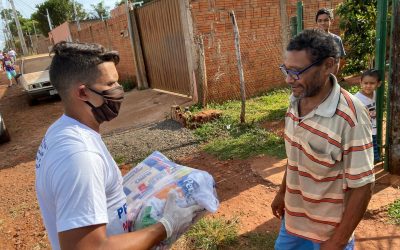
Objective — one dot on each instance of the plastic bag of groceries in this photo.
(147, 185)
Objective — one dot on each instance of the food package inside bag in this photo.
(148, 184)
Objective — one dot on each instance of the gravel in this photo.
(168, 137)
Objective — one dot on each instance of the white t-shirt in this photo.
(78, 183)
(371, 107)
(12, 53)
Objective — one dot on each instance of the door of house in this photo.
(163, 45)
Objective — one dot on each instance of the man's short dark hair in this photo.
(317, 43)
(77, 63)
(324, 11)
(371, 72)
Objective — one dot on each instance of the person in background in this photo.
(328, 139)
(1, 60)
(13, 55)
(324, 20)
(78, 184)
(370, 81)
(9, 68)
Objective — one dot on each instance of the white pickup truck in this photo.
(35, 77)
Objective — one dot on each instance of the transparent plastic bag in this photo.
(148, 184)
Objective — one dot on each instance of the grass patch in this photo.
(212, 234)
(119, 159)
(270, 106)
(226, 138)
(255, 241)
(394, 211)
(248, 142)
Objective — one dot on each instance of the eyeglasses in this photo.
(296, 74)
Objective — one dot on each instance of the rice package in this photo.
(148, 184)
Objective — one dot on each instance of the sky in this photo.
(27, 7)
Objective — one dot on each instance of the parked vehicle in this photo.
(35, 77)
(4, 135)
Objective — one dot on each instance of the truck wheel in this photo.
(5, 137)
(31, 101)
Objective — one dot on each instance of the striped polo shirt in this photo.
(329, 151)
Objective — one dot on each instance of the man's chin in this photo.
(296, 93)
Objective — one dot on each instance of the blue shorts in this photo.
(11, 74)
(286, 241)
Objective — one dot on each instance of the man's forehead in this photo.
(323, 16)
(296, 58)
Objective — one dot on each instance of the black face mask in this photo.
(112, 103)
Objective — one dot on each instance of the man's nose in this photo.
(289, 79)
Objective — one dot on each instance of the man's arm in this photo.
(95, 237)
(278, 204)
(355, 209)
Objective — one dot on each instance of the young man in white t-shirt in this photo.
(370, 81)
(78, 184)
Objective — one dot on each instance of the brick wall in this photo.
(112, 34)
(43, 44)
(259, 23)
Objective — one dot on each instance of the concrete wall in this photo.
(60, 33)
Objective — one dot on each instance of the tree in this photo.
(59, 11)
(119, 3)
(25, 23)
(358, 20)
(100, 11)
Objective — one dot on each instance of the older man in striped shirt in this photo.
(328, 137)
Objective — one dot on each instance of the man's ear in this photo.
(81, 92)
(331, 65)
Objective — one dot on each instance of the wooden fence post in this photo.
(110, 47)
(203, 72)
(240, 67)
(393, 135)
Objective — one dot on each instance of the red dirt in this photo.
(242, 191)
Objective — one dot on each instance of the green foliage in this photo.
(8, 15)
(60, 11)
(100, 11)
(352, 88)
(227, 138)
(119, 159)
(213, 233)
(358, 20)
(256, 241)
(128, 84)
(247, 142)
(119, 3)
(394, 211)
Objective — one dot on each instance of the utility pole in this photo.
(30, 38)
(76, 17)
(49, 20)
(7, 28)
(36, 38)
(20, 34)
